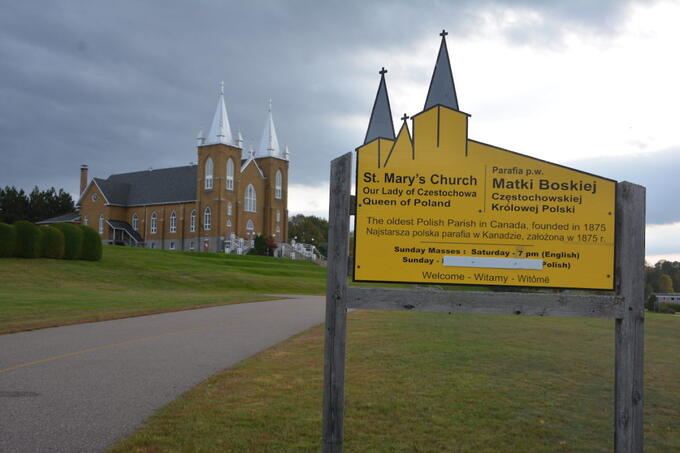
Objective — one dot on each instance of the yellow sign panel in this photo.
(440, 208)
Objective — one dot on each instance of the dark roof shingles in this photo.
(71, 217)
(165, 185)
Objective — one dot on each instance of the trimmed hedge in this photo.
(8, 240)
(52, 243)
(29, 243)
(73, 240)
(92, 244)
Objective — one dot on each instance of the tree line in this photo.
(15, 204)
(663, 277)
(309, 230)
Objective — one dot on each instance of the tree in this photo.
(38, 205)
(308, 229)
(664, 284)
(13, 205)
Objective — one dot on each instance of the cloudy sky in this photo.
(125, 85)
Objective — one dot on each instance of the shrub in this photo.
(669, 308)
(92, 244)
(73, 240)
(52, 243)
(29, 244)
(8, 240)
(259, 245)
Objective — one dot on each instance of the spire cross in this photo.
(270, 104)
(443, 33)
(383, 71)
(222, 87)
(405, 117)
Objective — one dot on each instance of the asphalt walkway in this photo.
(81, 388)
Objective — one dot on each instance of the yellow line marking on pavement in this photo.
(123, 343)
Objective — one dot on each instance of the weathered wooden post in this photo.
(336, 304)
(630, 261)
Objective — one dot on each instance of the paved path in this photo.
(81, 388)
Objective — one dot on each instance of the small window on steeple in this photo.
(230, 174)
(279, 184)
(208, 174)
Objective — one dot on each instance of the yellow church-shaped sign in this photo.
(436, 207)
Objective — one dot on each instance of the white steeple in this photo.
(269, 144)
(220, 132)
(239, 140)
(286, 154)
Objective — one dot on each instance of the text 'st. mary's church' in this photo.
(230, 193)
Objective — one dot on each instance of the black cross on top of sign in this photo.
(443, 33)
(382, 71)
(405, 117)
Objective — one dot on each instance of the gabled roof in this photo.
(442, 89)
(380, 125)
(120, 225)
(71, 217)
(246, 162)
(114, 192)
(166, 185)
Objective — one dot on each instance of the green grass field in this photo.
(133, 281)
(426, 382)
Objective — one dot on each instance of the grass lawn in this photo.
(133, 281)
(429, 382)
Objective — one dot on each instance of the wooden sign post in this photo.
(440, 208)
(625, 306)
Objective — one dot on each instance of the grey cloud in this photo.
(657, 171)
(125, 85)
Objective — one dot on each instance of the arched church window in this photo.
(208, 173)
(207, 218)
(230, 174)
(101, 224)
(173, 222)
(154, 223)
(229, 208)
(250, 226)
(279, 184)
(135, 222)
(192, 221)
(250, 199)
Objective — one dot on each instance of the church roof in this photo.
(166, 185)
(269, 143)
(220, 131)
(71, 217)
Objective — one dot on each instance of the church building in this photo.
(230, 195)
